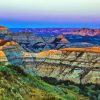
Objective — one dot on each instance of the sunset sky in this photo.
(50, 13)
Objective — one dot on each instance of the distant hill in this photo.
(84, 32)
(57, 31)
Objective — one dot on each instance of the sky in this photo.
(50, 13)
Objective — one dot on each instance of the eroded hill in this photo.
(81, 65)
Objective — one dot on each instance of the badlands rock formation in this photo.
(75, 64)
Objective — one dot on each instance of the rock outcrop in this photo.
(3, 56)
(75, 64)
(3, 28)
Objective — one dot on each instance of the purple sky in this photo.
(50, 13)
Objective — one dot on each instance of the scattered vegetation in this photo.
(92, 91)
(15, 84)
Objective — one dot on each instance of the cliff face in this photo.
(78, 65)
(75, 64)
(12, 53)
(4, 31)
(3, 56)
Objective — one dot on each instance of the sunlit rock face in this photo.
(4, 30)
(63, 39)
(12, 53)
(74, 64)
(5, 33)
(3, 56)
